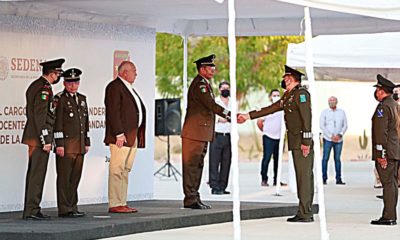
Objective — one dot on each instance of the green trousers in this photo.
(303, 167)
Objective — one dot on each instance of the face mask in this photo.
(283, 84)
(375, 94)
(57, 80)
(225, 93)
(396, 96)
(275, 99)
(332, 104)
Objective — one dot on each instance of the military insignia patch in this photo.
(203, 89)
(379, 113)
(44, 95)
(303, 98)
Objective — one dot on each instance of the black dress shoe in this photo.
(324, 182)
(300, 219)
(382, 221)
(37, 216)
(197, 205)
(217, 191)
(74, 214)
(204, 205)
(379, 196)
(226, 192)
(340, 182)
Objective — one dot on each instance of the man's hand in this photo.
(86, 149)
(305, 150)
(222, 120)
(120, 141)
(60, 151)
(47, 147)
(382, 162)
(241, 118)
(336, 138)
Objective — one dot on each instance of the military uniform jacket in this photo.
(72, 122)
(200, 112)
(385, 130)
(297, 107)
(40, 114)
(122, 115)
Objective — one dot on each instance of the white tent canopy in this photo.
(356, 57)
(207, 17)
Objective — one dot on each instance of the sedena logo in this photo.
(3, 68)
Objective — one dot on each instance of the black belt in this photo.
(222, 134)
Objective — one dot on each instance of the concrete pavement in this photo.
(349, 209)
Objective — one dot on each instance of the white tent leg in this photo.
(315, 123)
(234, 132)
(281, 143)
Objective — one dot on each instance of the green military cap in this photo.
(384, 82)
(205, 61)
(293, 72)
(53, 65)
(72, 75)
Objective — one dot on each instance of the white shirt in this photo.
(137, 99)
(333, 122)
(273, 125)
(219, 126)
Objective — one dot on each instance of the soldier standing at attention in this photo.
(386, 148)
(198, 130)
(296, 104)
(38, 135)
(72, 142)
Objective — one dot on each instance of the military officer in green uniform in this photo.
(296, 104)
(38, 135)
(198, 130)
(386, 147)
(72, 142)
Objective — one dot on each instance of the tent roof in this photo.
(207, 17)
(358, 56)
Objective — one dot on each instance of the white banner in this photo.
(20, 55)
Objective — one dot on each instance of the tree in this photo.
(260, 62)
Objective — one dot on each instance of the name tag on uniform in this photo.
(379, 113)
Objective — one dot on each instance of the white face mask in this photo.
(275, 99)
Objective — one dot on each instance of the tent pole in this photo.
(185, 81)
(234, 132)
(315, 123)
(281, 143)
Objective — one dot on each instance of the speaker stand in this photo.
(168, 170)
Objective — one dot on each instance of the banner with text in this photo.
(20, 56)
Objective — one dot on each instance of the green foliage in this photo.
(260, 62)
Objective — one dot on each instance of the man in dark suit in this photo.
(72, 142)
(198, 130)
(38, 135)
(125, 132)
(386, 148)
(296, 104)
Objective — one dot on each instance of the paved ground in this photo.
(349, 209)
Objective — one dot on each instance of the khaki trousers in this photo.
(121, 162)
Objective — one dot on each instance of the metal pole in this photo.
(315, 123)
(234, 132)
